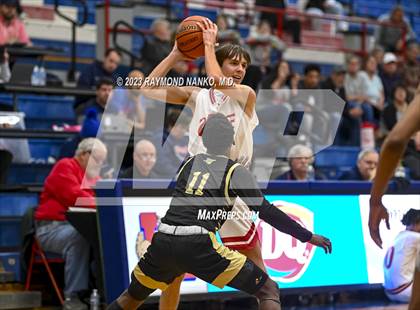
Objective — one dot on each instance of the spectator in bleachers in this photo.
(274, 104)
(321, 7)
(336, 81)
(103, 91)
(290, 24)
(390, 116)
(394, 111)
(129, 102)
(69, 180)
(374, 89)
(378, 52)
(278, 78)
(144, 160)
(357, 110)
(224, 33)
(311, 77)
(365, 169)
(98, 70)
(411, 69)
(175, 148)
(390, 36)
(389, 75)
(262, 43)
(300, 159)
(12, 29)
(156, 46)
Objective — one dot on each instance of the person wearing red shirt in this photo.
(12, 29)
(68, 183)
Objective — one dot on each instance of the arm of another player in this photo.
(174, 94)
(244, 185)
(244, 94)
(391, 153)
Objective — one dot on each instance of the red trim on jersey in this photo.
(399, 289)
(212, 97)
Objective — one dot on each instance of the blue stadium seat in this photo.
(42, 149)
(143, 22)
(28, 173)
(337, 157)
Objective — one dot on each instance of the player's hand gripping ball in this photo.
(189, 37)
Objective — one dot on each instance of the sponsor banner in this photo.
(292, 264)
(141, 218)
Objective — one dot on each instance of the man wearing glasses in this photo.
(144, 159)
(69, 180)
(365, 170)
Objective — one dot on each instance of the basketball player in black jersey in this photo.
(206, 187)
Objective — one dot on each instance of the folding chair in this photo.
(38, 256)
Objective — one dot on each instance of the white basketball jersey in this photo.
(211, 101)
(400, 260)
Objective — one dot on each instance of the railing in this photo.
(127, 29)
(247, 13)
(74, 24)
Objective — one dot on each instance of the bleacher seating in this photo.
(12, 207)
(333, 161)
(28, 173)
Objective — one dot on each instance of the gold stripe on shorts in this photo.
(148, 281)
(237, 261)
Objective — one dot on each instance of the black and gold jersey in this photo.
(206, 189)
(201, 195)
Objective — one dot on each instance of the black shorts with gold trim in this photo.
(170, 256)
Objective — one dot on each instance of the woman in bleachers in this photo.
(393, 112)
(390, 116)
(274, 104)
(12, 29)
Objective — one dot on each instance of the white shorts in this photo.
(400, 294)
(239, 233)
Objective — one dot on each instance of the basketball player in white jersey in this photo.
(235, 101)
(400, 259)
(391, 153)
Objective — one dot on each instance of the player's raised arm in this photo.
(154, 87)
(244, 94)
(391, 153)
(243, 184)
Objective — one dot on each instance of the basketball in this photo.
(189, 37)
